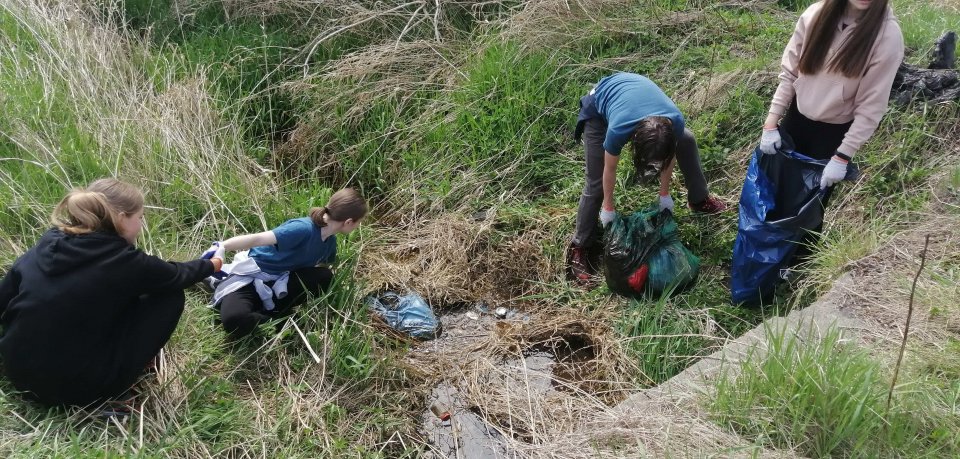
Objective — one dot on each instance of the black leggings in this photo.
(242, 311)
(815, 139)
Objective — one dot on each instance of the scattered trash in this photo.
(482, 308)
(408, 314)
(501, 312)
(939, 83)
(944, 52)
(440, 410)
(463, 435)
(643, 254)
(472, 315)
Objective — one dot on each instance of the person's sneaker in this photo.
(210, 284)
(711, 205)
(578, 266)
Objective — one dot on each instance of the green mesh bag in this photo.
(643, 254)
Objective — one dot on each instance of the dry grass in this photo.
(708, 92)
(454, 259)
(884, 280)
(146, 136)
(557, 23)
(528, 404)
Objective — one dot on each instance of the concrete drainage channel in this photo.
(477, 353)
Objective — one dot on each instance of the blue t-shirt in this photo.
(624, 99)
(299, 245)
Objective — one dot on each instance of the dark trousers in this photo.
(242, 311)
(815, 139)
(594, 133)
(110, 369)
(149, 327)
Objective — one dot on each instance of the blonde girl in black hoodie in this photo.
(84, 311)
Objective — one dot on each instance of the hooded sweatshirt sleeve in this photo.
(873, 95)
(9, 287)
(790, 62)
(151, 274)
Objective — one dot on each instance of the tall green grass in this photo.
(825, 397)
(84, 99)
(209, 112)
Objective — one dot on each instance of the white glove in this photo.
(770, 141)
(208, 254)
(835, 171)
(607, 216)
(666, 202)
(220, 253)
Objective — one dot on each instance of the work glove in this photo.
(835, 171)
(607, 216)
(208, 254)
(666, 202)
(216, 251)
(220, 253)
(770, 141)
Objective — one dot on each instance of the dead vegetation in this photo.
(454, 259)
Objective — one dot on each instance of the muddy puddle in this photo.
(452, 424)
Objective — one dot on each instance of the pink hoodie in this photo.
(833, 98)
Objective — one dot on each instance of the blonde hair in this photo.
(344, 205)
(96, 207)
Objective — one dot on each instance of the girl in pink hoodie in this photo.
(837, 71)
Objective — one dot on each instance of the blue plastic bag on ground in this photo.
(780, 204)
(409, 314)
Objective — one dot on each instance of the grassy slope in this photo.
(492, 133)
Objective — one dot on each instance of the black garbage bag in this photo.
(938, 83)
(643, 254)
(780, 203)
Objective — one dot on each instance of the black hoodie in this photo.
(65, 301)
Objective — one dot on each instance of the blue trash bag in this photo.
(780, 204)
(408, 314)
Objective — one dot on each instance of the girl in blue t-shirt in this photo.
(283, 265)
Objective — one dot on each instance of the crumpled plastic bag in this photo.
(643, 254)
(409, 314)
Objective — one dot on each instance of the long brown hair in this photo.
(653, 141)
(851, 59)
(346, 204)
(96, 207)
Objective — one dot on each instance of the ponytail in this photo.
(346, 204)
(316, 214)
(82, 212)
(96, 207)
